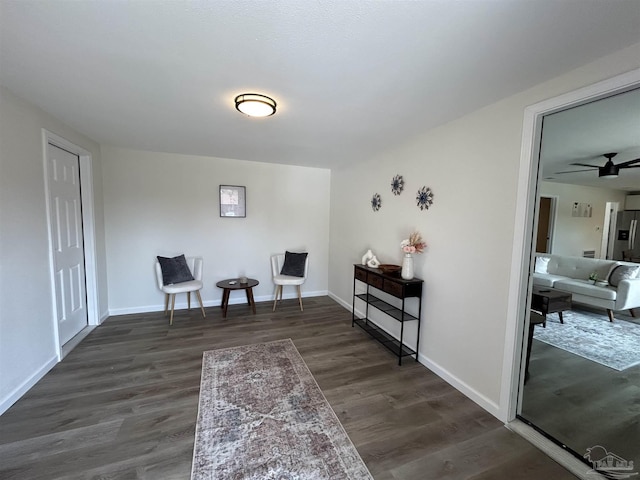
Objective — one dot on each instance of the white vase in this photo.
(407, 267)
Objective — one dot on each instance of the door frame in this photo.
(85, 161)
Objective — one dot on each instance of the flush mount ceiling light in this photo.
(255, 105)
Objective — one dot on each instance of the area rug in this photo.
(262, 416)
(613, 344)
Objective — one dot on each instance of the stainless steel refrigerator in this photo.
(626, 234)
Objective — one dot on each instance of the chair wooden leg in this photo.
(275, 297)
(610, 313)
(166, 303)
(300, 298)
(188, 300)
(633, 314)
(173, 304)
(201, 306)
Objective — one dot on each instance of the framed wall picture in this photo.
(233, 201)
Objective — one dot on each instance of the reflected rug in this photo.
(593, 336)
(262, 415)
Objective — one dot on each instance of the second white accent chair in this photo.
(280, 280)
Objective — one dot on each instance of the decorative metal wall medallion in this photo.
(424, 198)
(397, 185)
(376, 202)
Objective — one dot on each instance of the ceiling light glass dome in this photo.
(255, 105)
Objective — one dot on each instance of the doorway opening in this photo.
(546, 222)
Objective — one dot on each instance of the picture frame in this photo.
(233, 201)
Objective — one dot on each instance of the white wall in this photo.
(472, 166)
(27, 347)
(573, 235)
(167, 204)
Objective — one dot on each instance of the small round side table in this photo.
(234, 284)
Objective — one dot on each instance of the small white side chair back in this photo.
(195, 285)
(280, 280)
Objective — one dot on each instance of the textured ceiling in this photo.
(583, 134)
(350, 77)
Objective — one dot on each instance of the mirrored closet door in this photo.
(583, 374)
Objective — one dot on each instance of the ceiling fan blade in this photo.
(585, 165)
(627, 163)
(630, 166)
(576, 171)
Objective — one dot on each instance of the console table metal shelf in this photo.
(396, 287)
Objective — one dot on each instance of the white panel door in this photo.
(67, 241)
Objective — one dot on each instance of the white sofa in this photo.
(571, 274)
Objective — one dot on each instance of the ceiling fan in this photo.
(609, 169)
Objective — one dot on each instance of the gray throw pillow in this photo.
(294, 264)
(622, 272)
(174, 270)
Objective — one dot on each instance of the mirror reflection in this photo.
(582, 385)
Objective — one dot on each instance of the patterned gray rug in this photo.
(592, 336)
(262, 416)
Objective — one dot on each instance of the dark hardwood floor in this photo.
(583, 403)
(123, 404)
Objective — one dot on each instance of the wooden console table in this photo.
(396, 287)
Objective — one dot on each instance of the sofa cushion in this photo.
(541, 265)
(545, 279)
(622, 272)
(584, 287)
(578, 267)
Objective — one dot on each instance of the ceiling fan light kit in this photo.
(608, 171)
(255, 105)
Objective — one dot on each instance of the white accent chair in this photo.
(195, 285)
(281, 280)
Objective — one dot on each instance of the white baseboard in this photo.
(233, 300)
(75, 341)
(486, 403)
(14, 396)
(348, 306)
(489, 405)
